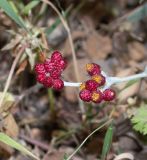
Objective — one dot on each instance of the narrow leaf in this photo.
(138, 14)
(107, 142)
(49, 30)
(9, 141)
(30, 6)
(11, 13)
(130, 83)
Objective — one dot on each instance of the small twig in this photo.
(11, 73)
(37, 143)
(32, 89)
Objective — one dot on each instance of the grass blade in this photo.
(68, 158)
(138, 14)
(9, 141)
(49, 30)
(129, 84)
(107, 142)
(11, 13)
(30, 6)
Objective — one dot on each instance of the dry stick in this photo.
(69, 36)
(71, 44)
(35, 142)
(11, 74)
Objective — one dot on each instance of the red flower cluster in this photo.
(89, 90)
(49, 72)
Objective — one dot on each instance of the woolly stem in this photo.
(71, 84)
(113, 80)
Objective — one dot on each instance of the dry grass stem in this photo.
(21, 51)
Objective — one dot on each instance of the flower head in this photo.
(56, 56)
(109, 95)
(58, 84)
(97, 96)
(41, 78)
(39, 68)
(49, 65)
(49, 72)
(85, 95)
(100, 79)
(91, 85)
(48, 82)
(93, 69)
(91, 88)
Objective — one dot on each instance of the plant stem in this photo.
(11, 73)
(72, 84)
(113, 80)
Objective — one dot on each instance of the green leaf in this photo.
(65, 157)
(30, 6)
(138, 14)
(4, 4)
(49, 30)
(68, 158)
(107, 142)
(140, 120)
(9, 141)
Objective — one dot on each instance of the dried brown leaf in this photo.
(98, 46)
(12, 44)
(136, 51)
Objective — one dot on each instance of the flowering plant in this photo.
(96, 89)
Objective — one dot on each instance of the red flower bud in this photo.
(93, 69)
(109, 95)
(40, 78)
(48, 82)
(91, 85)
(50, 71)
(56, 73)
(58, 84)
(97, 96)
(49, 65)
(39, 68)
(62, 64)
(56, 56)
(85, 95)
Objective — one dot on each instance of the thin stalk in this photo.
(51, 100)
(113, 80)
(11, 73)
(88, 138)
(72, 84)
(71, 45)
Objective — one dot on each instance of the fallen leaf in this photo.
(128, 92)
(124, 73)
(98, 46)
(124, 156)
(136, 51)
(7, 102)
(11, 128)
